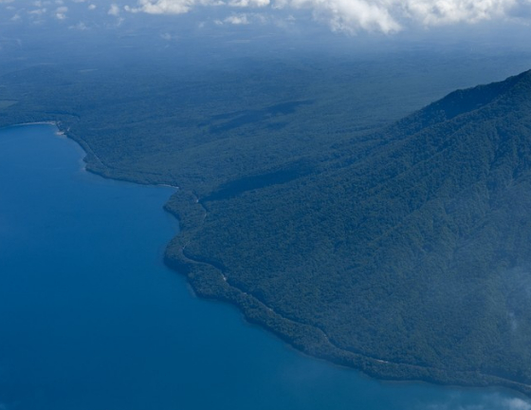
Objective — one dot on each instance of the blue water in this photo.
(90, 318)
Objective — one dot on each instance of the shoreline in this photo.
(308, 341)
(207, 282)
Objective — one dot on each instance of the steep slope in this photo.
(408, 257)
(403, 253)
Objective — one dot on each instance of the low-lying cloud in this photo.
(488, 402)
(517, 404)
(167, 6)
(385, 16)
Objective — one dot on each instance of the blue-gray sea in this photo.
(90, 318)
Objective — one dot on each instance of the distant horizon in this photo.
(349, 21)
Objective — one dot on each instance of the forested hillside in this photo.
(411, 249)
(396, 247)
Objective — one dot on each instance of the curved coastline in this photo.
(208, 281)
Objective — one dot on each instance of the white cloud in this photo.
(453, 11)
(385, 16)
(163, 6)
(237, 19)
(92, 7)
(488, 402)
(241, 19)
(114, 10)
(249, 3)
(37, 12)
(351, 15)
(60, 13)
(517, 404)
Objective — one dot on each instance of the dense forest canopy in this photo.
(397, 246)
(407, 254)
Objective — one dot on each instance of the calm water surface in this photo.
(90, 318)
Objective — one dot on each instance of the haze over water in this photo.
(90, 318)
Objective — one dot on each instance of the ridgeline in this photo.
(406, 256)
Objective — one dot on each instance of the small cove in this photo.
(92, 319)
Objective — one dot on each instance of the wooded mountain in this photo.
(401, 250)
(407, 255)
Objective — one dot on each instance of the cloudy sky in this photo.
(349, 17)
(385, 16)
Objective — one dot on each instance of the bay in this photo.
(90, 318)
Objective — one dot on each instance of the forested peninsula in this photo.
(399, 247)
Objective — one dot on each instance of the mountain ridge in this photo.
(430, 216)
